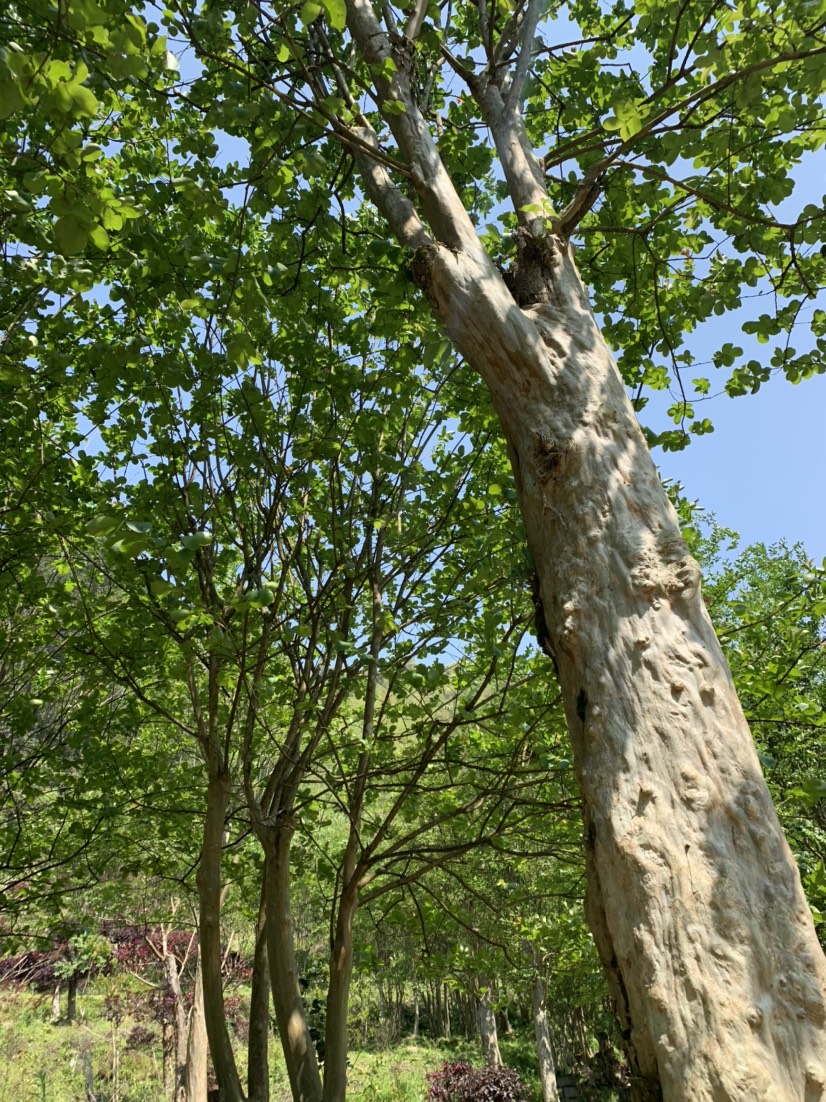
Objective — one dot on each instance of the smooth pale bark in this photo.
(209, 895)
(709, 944)
(258, 1070)
(55, 1016)
(693, 896)
(299, 1051)
(197, 1045)
(544, 1048)
(487, 1030)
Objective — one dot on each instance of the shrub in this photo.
(457, 1081)
(139, 1036)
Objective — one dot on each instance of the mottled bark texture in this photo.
(544, 1048)
(694, 899)
(175, 1043)
(197, 1047)
(693, 896)
(341, 970)
(487, 1027)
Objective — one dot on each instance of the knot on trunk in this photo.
(548, 454)
(667, 572)
(421, 268)
(531, 278)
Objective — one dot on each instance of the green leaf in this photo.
(310, 10)
(196, 540)
(336, 13)
(83, 100)
(71, 235)
(103, 525)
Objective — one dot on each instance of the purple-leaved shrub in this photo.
(458, 1081)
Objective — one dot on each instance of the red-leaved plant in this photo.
(458, 1081)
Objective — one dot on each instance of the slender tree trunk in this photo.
(176, 1087)
(415, 1012)
(168, 1043)
(299, 1052)
(487, 1027)
(197, 1045)
(341, 969)
(693, 896)
(71, 999)
(446, 1013)
(209, 891)
(88, 1076)
(544, 1048)
(55, 1016)
(258, 1070)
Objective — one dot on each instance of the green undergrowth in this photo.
(42, 1062)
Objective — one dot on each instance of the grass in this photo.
(42, 1062)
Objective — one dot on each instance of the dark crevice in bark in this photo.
(543, 636)
(581, 706)
(531, 278)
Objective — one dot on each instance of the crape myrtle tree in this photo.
(653, 133)
(653, 136)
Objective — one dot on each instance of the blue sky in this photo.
(763, 471)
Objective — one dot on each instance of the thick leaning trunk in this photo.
(544, 1048)
(299, 1052)
(694, 899)
(338, 991)
(209, 896)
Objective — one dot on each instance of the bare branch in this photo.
(527, 34)
(414, 23)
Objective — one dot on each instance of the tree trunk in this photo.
(544, 1048)
(446, 1013)
(71, 999)
(209, 892)
(341, 969)
(168, 1045)
(176, 1088)
(197, 1046)
(693, 895)
(415, 1013)
(88, 1075)
(487, 1028)
(55, 1016)
(299, 1052)
(258, 1069)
